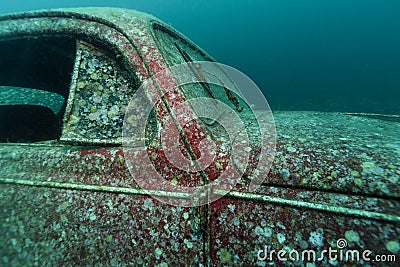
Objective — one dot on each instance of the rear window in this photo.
(177, 50)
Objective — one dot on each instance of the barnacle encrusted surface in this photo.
(323, 160)
(103, 90)
(338, 152)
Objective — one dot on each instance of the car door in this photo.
(66, 194)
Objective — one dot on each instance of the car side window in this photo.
(178, 50)
(60, 88)
(35, 75)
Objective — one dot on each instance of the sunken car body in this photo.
(67, 197)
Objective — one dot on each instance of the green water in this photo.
(304, 55)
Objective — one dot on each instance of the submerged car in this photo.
(67, 196)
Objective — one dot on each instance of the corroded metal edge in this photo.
(232, 194)
(72, 90)
(314, 206)
(103, 14)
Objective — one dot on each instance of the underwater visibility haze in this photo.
(304, 55)
(121, 143)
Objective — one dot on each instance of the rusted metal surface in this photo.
(240, 229)
(334, 176)
(333, 151)
(239, 226)
(42, 226)
(336, 152)
(74, 202)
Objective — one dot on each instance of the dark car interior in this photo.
(40, 64)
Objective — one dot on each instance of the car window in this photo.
(35, 76)
(11, 95)
(177, 50)
(75, 91)
(29, 115)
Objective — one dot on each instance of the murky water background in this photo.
(304, 55)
